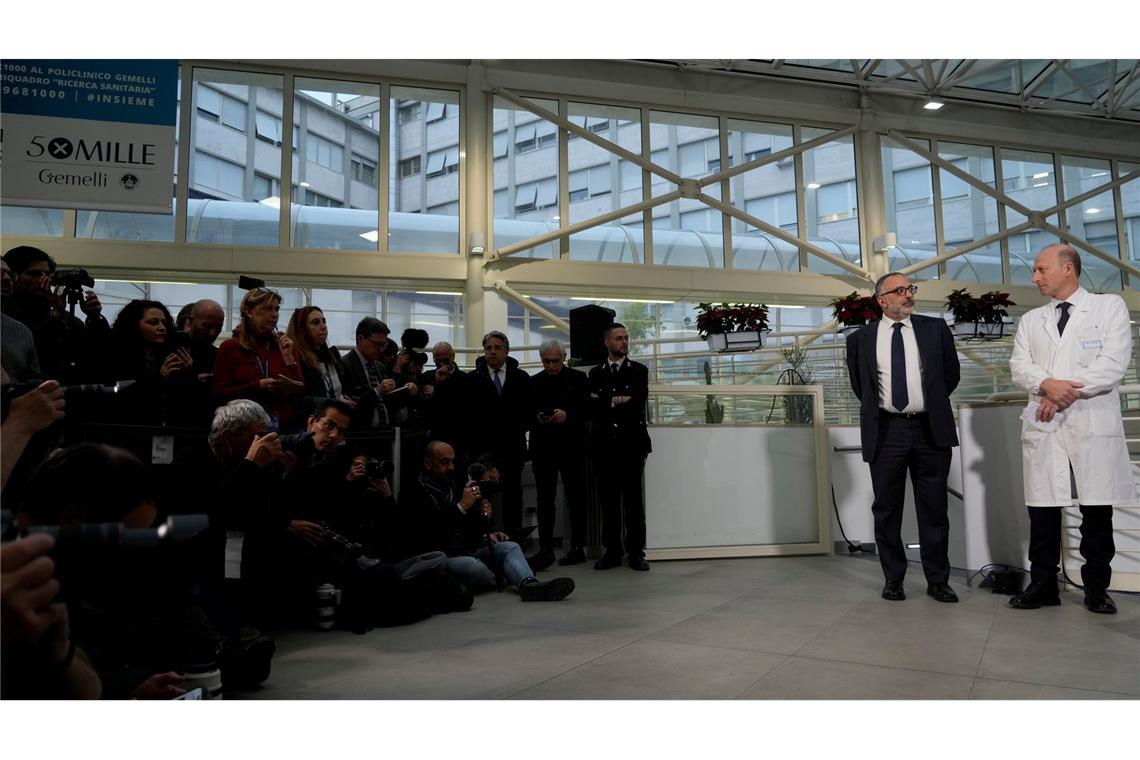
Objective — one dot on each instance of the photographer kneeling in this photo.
(442, 514)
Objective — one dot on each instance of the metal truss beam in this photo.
(838, 134)
(1108, 258)
(1106, 187)
(918, 266)
(530, 305)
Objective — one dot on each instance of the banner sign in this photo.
(88, 134)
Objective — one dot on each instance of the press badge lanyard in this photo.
(263, 367)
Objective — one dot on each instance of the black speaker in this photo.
(587, 323)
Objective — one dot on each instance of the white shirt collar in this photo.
(1075, 299)
(889, 323)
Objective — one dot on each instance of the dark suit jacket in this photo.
(569, 391)
(622, 426)
(354, 380)
(940, 375)
(501, 421)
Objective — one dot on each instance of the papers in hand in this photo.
(1030, 416)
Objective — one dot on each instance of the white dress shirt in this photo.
(915, 400)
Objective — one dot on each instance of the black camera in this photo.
(294, 441)
(74, 395)
(250, 283)
(378, 468)
(74, 278)
(487, 488)
(413, 339)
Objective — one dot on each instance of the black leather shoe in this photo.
(573, 557)
(1099, 601)
(543, 559)
(607, 561)
(893, 591)
(638, 563)
(941, 592)
(546, 591)
(1037, 595)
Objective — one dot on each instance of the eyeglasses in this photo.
(911, 289)
(331, 427)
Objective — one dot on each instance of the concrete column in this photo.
(476, 188)
(869, 167)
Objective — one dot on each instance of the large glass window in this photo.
(767, 193)
(335, 164)
(831, 200)
(1093, 220)
(224, 206)
(601, 181)
(29, 220)
(968, 214)
(528, 177)
(1130, 203)
(1029, 179)
(424, 173)
(909, 205)
(687, 145)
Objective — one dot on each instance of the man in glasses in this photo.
(366, 381)
(903, 369)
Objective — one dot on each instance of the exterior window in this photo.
(525, 196)
(443, 162)
(363, 171)
(835, 202)
(500, 141)
(316, 199)
(217, 174)
(268, 128)
(912, 187)
(525, 140)
(547, 134)
(324, 152)
(409, 112)
(221, 108)
(436, 112)
(409, 167)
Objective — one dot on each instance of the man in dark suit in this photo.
(503, 407)
(558, 445)
(365, 380)
(903, 369)
(619, 390)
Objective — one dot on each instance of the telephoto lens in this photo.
(325, 607)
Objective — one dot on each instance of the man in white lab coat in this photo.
(1070, 355)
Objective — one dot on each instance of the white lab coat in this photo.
(1096, 349)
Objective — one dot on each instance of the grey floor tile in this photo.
(794, 611)
(587, 617)
(580, 685)
(804, 678)
(986, 688)
(750, 633)
(1030, 662)
(953, 647)
(664, 598)
(670, 667)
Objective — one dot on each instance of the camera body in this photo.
(378, 468)
(74, 278)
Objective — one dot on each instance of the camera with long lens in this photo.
(376, 469)
(346, 553)
(108, 536)
(76, 396)
(487, 488)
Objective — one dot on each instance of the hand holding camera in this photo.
(470, 495)
(29, 589)
(264, 449)
(177, 361)
(36, 409)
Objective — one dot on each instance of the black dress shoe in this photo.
(893, 591)
(1037, 595)
(546, 591)
(573, 557)
(607, 561)
(1099, 601)
(543, 559)
(941, 592)
(638, 563)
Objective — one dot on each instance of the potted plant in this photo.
(853, 311)
(981, 318)
(732, 326)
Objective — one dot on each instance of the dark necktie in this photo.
(614, 368)
(899, 396)
(1064, 306)
(498, 382)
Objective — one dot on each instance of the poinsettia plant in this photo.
(853, 310)
(717, 318)
(988, 308)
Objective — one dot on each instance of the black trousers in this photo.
(905, 445)
(620, 476)
(1097, 546)
(510, 473)
(547, 465)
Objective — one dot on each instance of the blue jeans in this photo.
(477, 571)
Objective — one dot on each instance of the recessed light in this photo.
(1040, 175)
(933, 105)
(304, 184)
(813, 186)
(1092, 210)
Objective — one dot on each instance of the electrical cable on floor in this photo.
(1074, 584)
(851, 547)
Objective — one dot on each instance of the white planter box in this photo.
(735, 341)
(979, 331)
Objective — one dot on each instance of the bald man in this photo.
(1070, 356)
(204, 326)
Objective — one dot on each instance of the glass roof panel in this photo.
(891, 67)
(1002, 76)
(835, 64)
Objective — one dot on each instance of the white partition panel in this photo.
(735, 488)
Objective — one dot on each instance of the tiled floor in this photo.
(772, 628)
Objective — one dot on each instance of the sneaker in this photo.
(574, 557)
(546, 591)
(1038, 594)
(541, 560)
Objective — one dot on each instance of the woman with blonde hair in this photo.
(259, 363)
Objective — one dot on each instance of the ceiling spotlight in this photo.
(813, 186)
(932, 105)
(1040, 175)
(1092, 210)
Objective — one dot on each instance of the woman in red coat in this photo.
(259, 363)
